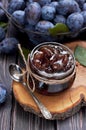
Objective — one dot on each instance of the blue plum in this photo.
(19, 16)
(33, 13)
(66, 7)
(75, 21)
(59, 19)
(84, 7)
(84, 16)
(3, 17)
(2, 34)
(43, 26)
(80, 2)
(29, 27)
(3, 93)
(9, 45)
(48, 12)
(54, 4)
(44, 2)
(16, 5)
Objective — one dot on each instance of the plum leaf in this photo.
(3, 24)
(80, 55)
(58, 28)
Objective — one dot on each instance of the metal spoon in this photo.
(17, 74)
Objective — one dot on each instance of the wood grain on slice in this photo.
(63, 104)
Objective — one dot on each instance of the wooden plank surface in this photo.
(5, 109)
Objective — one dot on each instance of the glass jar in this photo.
(52, 66)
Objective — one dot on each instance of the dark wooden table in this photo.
(13, 117)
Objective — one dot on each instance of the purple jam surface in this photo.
(50, 59)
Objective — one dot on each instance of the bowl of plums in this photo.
(46, 20)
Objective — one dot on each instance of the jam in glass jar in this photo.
(52, 66)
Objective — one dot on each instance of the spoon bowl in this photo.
(17, 73)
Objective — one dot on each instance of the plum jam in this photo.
(52, 66)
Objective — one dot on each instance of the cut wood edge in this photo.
(65, 109)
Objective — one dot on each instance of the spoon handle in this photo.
(42, 108)
(45, 112)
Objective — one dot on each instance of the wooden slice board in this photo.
(63, 104)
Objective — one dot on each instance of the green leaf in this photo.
(26, 52)
(80, 55)
(3, 25)
(58, 28)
